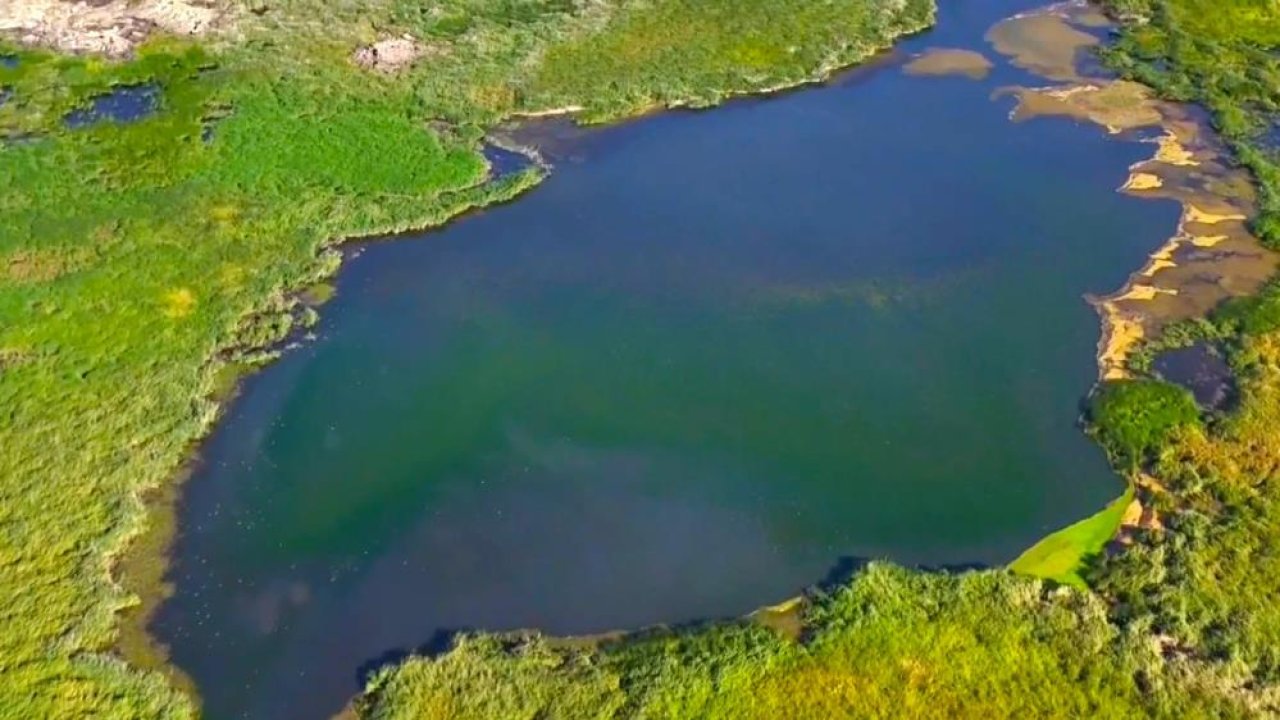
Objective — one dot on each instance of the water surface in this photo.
(713, 354)
(1202, 370)
(125, 104)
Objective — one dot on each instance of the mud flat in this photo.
(950, 61)
(1212, 256)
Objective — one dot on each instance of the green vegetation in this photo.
(1061, 555)
(890, 643)
(141, 266)
(1202, 586)
(1134, 418)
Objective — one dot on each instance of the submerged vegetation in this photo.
(142, 261)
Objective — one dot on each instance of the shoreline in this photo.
(1116, 344)
(152, 525)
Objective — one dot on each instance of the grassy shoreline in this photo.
(138, 257)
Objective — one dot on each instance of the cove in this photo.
(713, 355)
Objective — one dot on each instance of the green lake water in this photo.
(711, 358)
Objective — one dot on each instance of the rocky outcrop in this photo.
(106, 27)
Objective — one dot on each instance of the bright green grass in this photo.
(1061, 555)
(138, 263)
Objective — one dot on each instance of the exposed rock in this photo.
(390, 55)
(110, 27)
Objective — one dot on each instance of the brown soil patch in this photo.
(1044, 43)
(1212, 256)
(110, 27)
(1116, 106)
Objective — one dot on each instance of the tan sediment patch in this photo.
(1139, 181)
(949, 61)
(1044, 43)
(1117, 106)
(1132, 514)
(1212, 256)
(1172, 152)
(110, 27)
(1121, 334)
(1207, 241)
(786, 618)
(1193, 214)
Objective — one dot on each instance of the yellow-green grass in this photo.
(891, 643)
(1061, 555)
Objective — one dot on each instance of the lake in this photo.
(711, 357)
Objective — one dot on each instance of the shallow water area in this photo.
(1200, 369)
(713, 354)
(504, 162)
(121, 105)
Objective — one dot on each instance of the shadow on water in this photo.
(126, 104)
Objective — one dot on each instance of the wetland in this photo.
(713, 356)
(858, 352)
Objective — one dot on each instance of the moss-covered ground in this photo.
(142, 263)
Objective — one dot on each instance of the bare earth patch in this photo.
(106, 27)
(390, 55)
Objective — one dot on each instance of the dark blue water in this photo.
(122, 105)
(504, 162)
(710, 356)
